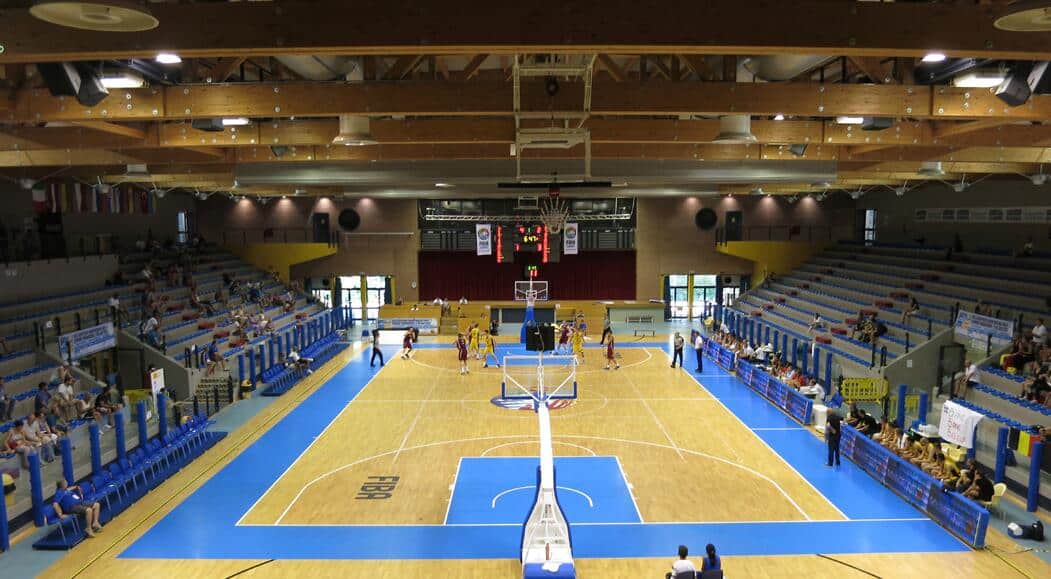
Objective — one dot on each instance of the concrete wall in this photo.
(34, 279)
(896, 215)
(281, 256)
(772, 256)
(668, 241)
(386, 243)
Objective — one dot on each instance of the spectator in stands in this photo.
(3, 344)
(1027, 248)
(868, 425)
(814, 390)
(117, 313)
(104, 404)
(816, 324)
(908, 311)
(69, 500)
(1036, 390)
(17, 441)
(36, 430)
(933, 466)
(42, 400)
(149, 331)
(981, 488)
(925, 453)
(748, 353)
(966, 477)
(7, 403)
(711, 561)
(1039, 333)
(983, 309)
(66, 402)
(146, 273)
(965, 379)
(681, 565)
(833, 432)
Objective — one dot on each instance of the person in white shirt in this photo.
(816, 323)
(748, 353)
(298, 362)
(682, 564)
(966, 378)
(1040, 332)
(698, 345)
(724, 328)
(463, 301)
(815, 389)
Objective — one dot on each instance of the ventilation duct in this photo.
(780, 67)
(353, 131)
(931, 169)
(735, 130)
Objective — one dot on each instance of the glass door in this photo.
(351, 287)
(679, 296)
(376, 292)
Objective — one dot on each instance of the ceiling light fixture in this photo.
(168, 58)
(934, 57)
(96, 15)
(979, 78)
(779, 117)
(1026, 16)
(443, 185)
(735, 130)
(236, 121)
(122, 80)
(845, 120)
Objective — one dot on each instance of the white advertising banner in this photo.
(958, 424)
(86, 342)
(977, 329)
(570, 238)
(426, 326)
(483, 235)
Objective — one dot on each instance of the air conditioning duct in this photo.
(353, 131)
(735, 130)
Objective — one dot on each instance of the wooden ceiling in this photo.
(437, 84)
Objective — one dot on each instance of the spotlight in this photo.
(168, 58)
(159, 193)
(857, 194)
(900, 191)
(934, 57)
(845, 120)
(235, 121)
(980, 78)
(960, 187)
(779, 117)
(1038, 179)
(551, 86)
(1016, 89)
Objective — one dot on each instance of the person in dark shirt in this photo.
(42, 401)
(832, 434)
(868, 425)
(981, 489)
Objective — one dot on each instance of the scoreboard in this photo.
(526, 242)
(530, 238)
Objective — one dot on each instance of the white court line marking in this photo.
(575, 436)
(631, 492)
(499, 495)
(409, 525)
(784, 428)
(316, 438)
(760, 439)
(415, 420)
(499, 371)
(654, 416)
(488, 450)
(452, 490)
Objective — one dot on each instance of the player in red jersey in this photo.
(611, 354)
(461, 353)
(406, 344)
(563, 339)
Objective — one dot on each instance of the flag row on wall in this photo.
(72, 197)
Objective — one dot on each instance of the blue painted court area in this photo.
(591, 489)
(204, 526)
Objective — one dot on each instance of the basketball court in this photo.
(414, 467)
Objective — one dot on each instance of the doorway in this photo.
(320, 222)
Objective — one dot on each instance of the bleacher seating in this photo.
(280, 379)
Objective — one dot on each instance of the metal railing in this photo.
(777, 233)
(246, 235)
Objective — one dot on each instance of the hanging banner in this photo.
(977, 330)
(958, 424)
(570, 238)
(483, 236)
(76, 345)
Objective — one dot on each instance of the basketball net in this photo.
(530, 298)
(553, 213)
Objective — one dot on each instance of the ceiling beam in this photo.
(226, 66)
(873, 68)
(488, 98)
(945, 130)
(472, 67)
(699, 66)
(615, 26)
(113, 129)
(403, 66)
(614, 70)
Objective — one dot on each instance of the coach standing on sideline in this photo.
(678, 342)
(833, 431)
(698, 346)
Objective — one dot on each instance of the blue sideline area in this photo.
(205, 526)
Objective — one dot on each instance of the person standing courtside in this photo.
(677, 343)
(833, 430)
(698, 346)
(376, 349)
(606, 329)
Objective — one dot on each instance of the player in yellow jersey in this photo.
(472, 340)
(578, 345)
(487, 349)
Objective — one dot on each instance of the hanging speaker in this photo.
(349, 220)
(706, 219)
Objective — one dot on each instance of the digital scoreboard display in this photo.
(523, 239)
(529, 238)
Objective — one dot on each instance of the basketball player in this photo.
(461, 353)
(472, 343)
(578, 346)
(611, 355)
(563, 338)
(489, 349)
(406, 344)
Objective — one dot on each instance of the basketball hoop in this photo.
(553, 213)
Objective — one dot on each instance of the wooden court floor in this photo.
(416, 419)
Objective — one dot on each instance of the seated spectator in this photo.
(1027, 248)
(814, 390)
(42, 400)
(950, 472)
(1039, 333)
(69, 500)
(7, 403)
(925, 453)
(37, 430)
(682, 565)
(933, 466)
(3, 344)
(17, 441)
(981, 488)
(909, 310)
(711, 561)
(966, 475)
(66, 402)
(885, 431)
(868, 425)
(215, 359)
(965, 379)
(748, 353)
(149, 332)
(817, 323)
(1036, 390)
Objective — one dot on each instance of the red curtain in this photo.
(588, 276)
